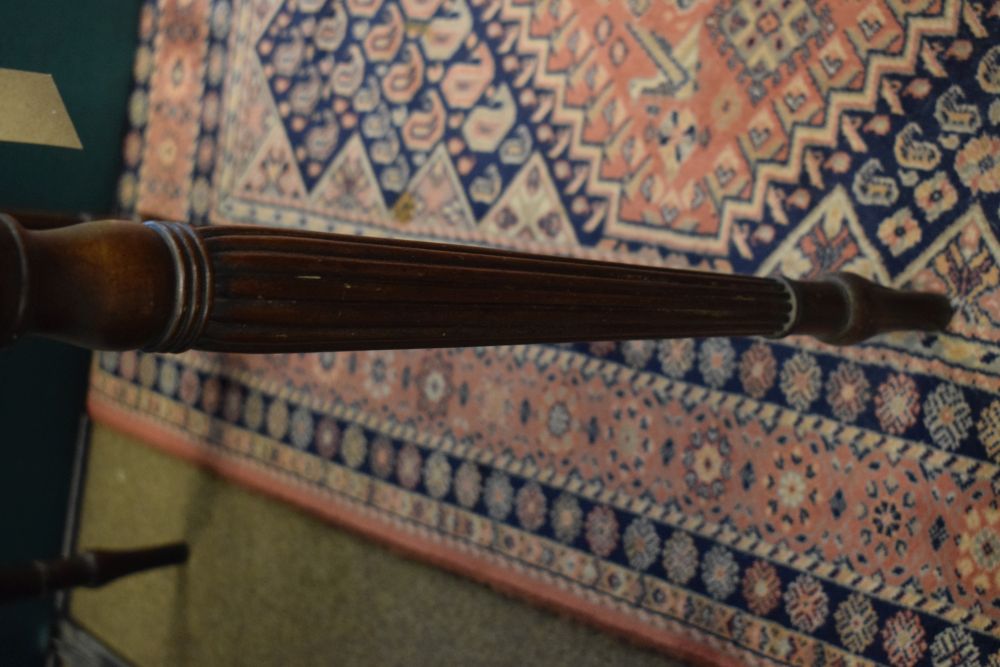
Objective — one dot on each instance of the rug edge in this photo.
(106, 411)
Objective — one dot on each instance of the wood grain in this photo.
(168, 287)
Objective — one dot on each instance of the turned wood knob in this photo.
(168, 287)
(845, 308)
(101, 285)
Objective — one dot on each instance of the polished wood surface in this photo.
(169, 287)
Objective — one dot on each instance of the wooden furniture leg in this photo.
(90, 568)
(168, 287)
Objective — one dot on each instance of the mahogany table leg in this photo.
(90, 568)
(169, 287)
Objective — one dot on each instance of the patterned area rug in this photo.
(720, 499)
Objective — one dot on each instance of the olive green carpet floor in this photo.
(268, 585)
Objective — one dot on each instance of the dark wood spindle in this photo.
(169, 287)
(89, 568)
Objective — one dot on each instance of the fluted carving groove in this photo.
(303, 291)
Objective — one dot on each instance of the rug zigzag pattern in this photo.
(771, 501)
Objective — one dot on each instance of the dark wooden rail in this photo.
(169, 287)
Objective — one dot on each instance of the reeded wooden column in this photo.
(169, 287)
